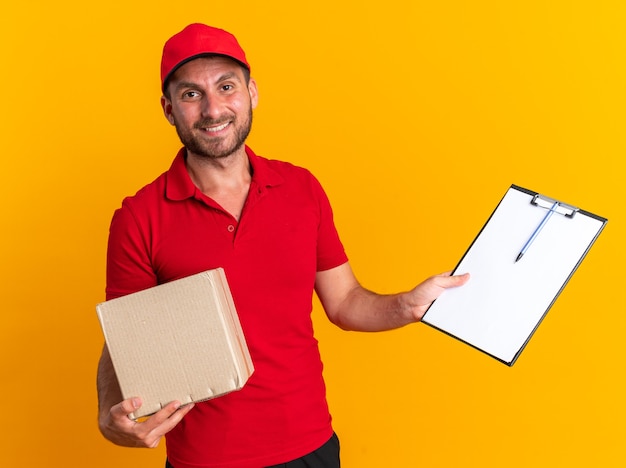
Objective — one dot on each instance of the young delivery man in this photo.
(270, 226)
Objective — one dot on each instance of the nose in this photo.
(211, 107)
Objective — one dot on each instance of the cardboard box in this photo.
(177, 341)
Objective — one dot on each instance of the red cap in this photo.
(195, 41)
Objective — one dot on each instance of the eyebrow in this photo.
(228, 76)
(225, 77)
(185, 84)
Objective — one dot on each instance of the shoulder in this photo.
(149, 194)
(173, 184)
(136, 209)
(275, 172)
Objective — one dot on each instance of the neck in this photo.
(226, 180)
(209, 174)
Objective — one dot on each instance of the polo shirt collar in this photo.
(179, 185)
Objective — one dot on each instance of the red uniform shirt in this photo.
(170, 230)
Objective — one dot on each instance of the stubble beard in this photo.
(216, 148)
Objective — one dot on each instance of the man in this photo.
(270, 226)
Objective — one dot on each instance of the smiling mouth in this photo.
(215, 129)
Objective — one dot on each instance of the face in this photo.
(210, 104)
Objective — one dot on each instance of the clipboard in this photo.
(507, 297)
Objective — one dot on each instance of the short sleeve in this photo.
(330, 250)
(129, 267)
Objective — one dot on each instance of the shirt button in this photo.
(231, 228)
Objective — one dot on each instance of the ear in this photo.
(254, 93)
(166, 104)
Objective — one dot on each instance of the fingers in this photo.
(122, 430)
(457, 280)
(425, 293)
(160, 423)
(125, 408)
(448, 280)
(167, 418)
(174, 418)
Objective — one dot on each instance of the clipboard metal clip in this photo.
(561, 208)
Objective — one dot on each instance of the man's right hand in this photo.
(117, 427)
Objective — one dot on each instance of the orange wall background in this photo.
(416, 116)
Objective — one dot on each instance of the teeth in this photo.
(217, 129)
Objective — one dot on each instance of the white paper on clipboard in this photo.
(501, 306)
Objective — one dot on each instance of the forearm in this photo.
(364, 310)
(352, 307)
(109, 395)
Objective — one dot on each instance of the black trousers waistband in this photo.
(327, 456)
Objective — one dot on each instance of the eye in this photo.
(191, 94)
(227, 87)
